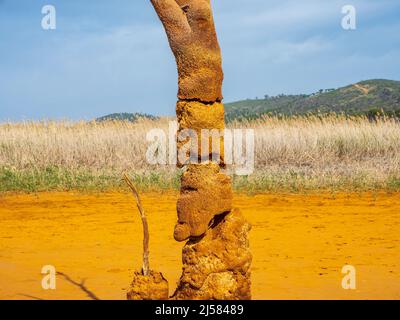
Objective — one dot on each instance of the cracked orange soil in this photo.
(299, 243)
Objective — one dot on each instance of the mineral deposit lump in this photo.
(218, 266)
(207, 122)
(191, 33)
(151, 287)
(205, 193)
(198, 57)
(200, 73)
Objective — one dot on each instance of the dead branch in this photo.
(146, 266)
(80, 285)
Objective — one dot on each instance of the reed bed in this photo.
(295, 154)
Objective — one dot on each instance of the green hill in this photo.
(126, 117)
(366, 97)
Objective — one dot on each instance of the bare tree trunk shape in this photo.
(216, 258)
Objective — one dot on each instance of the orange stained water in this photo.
(299, 243)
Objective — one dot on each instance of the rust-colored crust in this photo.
(189, 25)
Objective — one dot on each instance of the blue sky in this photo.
(113, 56)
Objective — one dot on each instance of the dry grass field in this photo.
(295, 154)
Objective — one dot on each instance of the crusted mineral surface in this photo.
(207, 122)
(217, 265)
(189, 25)
(151, 287)
(205, 193)
(196, 115)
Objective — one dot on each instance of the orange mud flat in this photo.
(300, 244)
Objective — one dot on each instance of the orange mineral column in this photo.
(216, 256)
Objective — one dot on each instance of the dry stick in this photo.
(146, 267)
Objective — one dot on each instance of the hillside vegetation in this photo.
(364, 98)
(124, 116)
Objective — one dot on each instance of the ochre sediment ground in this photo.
(299, 244)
